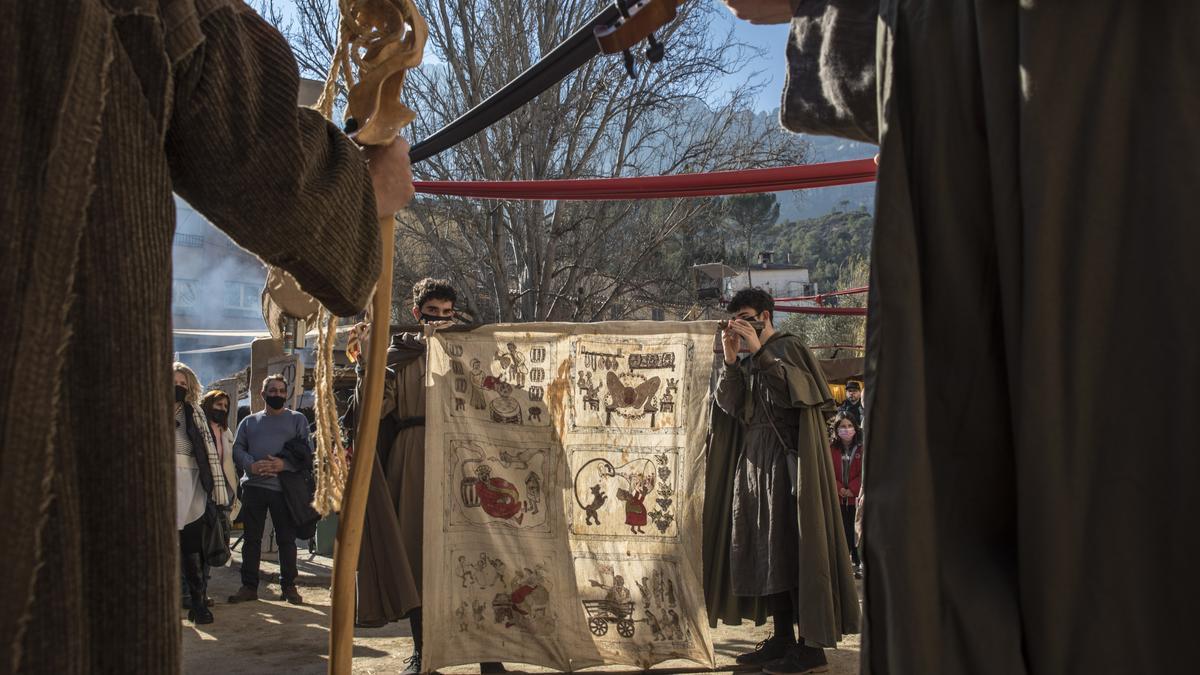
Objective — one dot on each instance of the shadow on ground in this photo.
(272, 637)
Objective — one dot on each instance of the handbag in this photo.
(216, 535)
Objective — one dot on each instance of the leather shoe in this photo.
(290, 594)
(244, 594)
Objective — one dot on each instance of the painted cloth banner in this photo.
(564, 490)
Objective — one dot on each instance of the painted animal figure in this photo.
(593, 509)
(518, 459)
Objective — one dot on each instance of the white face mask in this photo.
(845, 433)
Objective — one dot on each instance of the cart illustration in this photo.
(603, 612)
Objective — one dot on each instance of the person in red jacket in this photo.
(847, 450)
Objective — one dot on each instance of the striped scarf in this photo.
(221, 495)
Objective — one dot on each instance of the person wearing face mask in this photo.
(257, 450)
(198, 479)
(776, 393)
(847, 450)
(853, 405)
(389, 569)
(215, 405)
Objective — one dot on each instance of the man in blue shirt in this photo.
(256, 450)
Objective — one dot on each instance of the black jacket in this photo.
(299, 487)
(854, 410)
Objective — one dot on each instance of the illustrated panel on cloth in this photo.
(499, 485)
(505, 601)
(499, 382)
(622, 492)
(637, 603)
(635, 386)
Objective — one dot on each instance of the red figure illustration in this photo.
(635, 508)
(498, 497)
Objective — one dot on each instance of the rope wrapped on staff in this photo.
(379, 40)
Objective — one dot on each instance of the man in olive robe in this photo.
(787, 544)
(389, 578)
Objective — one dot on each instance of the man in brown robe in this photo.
(389, 573)
(787, 543)
(1033, 271)
(108, 107)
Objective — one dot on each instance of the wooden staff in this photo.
(370, 30)
(354, 503)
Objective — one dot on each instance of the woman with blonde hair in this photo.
(199, 479)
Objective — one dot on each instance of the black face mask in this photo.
(219, 416)
(276, 402)
(429, 318)
(180, 394)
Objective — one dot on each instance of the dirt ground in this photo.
(271, 636)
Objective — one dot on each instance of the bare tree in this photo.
(577, 261)
(311, 29)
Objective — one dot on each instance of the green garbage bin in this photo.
(326, 533)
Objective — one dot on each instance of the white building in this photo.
(781, 280)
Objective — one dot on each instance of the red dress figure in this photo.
(498, 497)
(635, 507)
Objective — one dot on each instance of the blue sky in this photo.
(770, 68)
(773, 40)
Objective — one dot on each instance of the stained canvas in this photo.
(564, 489)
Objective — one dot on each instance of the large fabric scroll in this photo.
(564, 494)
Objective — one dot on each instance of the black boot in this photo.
(412, 665)
(771, 649)
(199, 612)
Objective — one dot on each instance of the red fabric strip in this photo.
(851, 311)
(661, 187)
(820, 297)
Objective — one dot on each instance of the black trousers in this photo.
(256, 503)
(191, 537)
(848, 512)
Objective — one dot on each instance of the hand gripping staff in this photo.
(380, 41)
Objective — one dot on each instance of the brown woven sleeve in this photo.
(280, 180)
